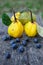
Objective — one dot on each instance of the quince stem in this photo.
(14, 16)
(31, 16)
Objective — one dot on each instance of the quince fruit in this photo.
(15, 29)
(26, 17)
(17, 16)
(31, 28)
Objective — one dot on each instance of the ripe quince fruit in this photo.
(15, 29)
(17, 16)
(31, 28)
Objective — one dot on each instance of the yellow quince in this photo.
(15, 29)
(17, 16)
(31, 29)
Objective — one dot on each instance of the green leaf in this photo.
(6, 20)
(39, 25)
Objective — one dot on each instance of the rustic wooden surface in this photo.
(31, 55)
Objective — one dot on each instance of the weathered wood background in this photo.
(31, 55)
